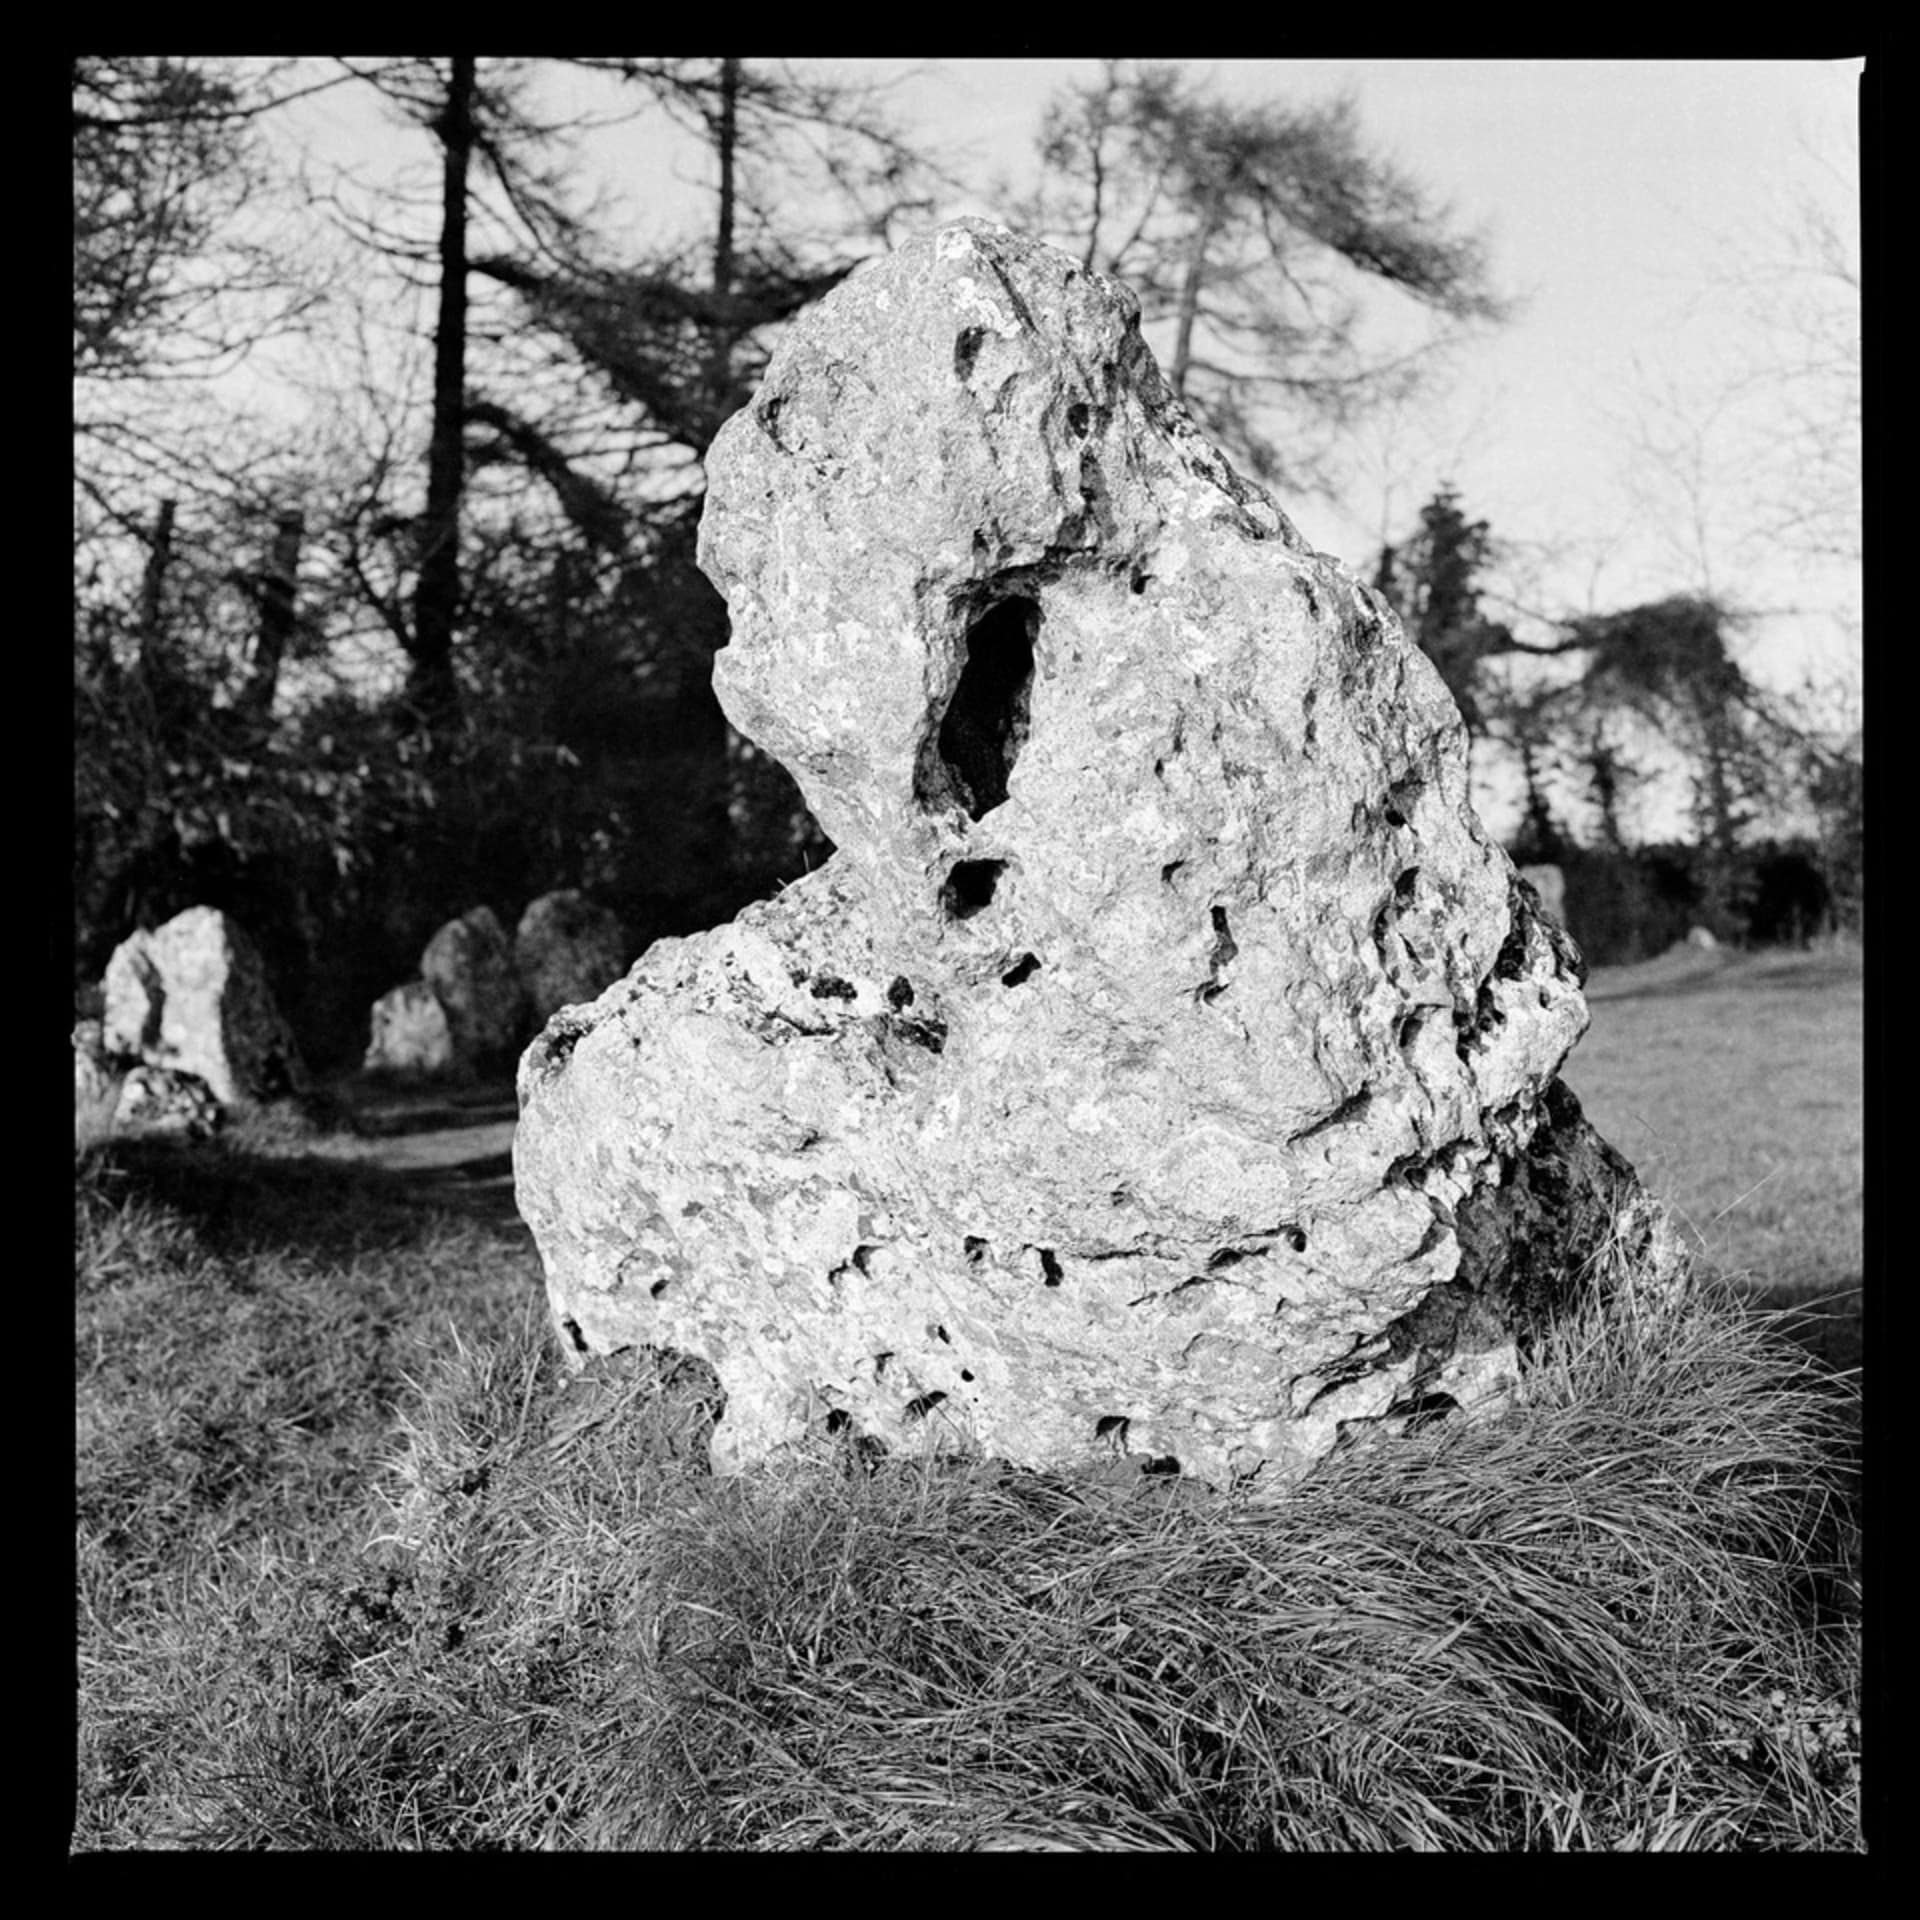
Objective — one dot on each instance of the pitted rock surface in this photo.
(1165, 1063)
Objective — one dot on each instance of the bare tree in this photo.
(1257, 238)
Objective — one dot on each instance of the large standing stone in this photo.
(409, 1034)
(469, 966)
(567, 949)
(193, 995)
(1165, 1062)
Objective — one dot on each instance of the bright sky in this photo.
(1611, 192)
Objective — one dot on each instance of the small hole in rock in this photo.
(880, 1364)
(1111, 1423)
(970, 887)
(1395, 818)
(1140, 582)
(940, 1333)
(1049, 1267)
(576, 1339)
(1022, 969)
(965, 1375)
(919, 1408)
(966, 350)
(900, 994)
(976, 1248)
(1079, 417)
(1163, 1464)
(1297, 1240)
(839, 1420)
(658, 1288)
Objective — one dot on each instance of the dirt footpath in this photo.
(445, 1146)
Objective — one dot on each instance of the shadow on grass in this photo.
(249, 1204)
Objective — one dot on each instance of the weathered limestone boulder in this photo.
(193, 995)
(167, 1100)
(410, 1036)
(468, 965)
(567, 949)
(1165, 1063)
(1550, 883)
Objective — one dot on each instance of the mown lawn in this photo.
(1734, 1083)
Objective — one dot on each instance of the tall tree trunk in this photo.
(153, 580)
(432, 690)
(277, 600)
(720, 345)
(1189, 307)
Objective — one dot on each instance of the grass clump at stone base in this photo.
(1622, 1617)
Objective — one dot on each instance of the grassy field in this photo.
(1734, 1084)
(359, 1566)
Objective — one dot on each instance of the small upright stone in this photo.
(567, 949)
(469, 966)
(410, 1037)
(193, 995)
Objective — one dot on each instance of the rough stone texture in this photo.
(469, 966)
(167, 1100)
(193, 995)
(410, 1036)
(1164, 1064)
(567, 949)
(1703, 938)
(1550, 883)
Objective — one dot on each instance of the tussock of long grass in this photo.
(1616, 1619)
(1621, 1617)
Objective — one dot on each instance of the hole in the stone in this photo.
(658, 1288)
(1169, 870)
(1409, 1030)
(1224, 1257)
(1022, 969)
(1112, 1423)
(965, 1375)
(900, 994)
(966, 350)
(1296, 1240)
(976, 1248)
(1141, 580)
(1079, 418)
(970, 887)
(1546, 999)
(839, 1420)
(940, 1333)
(862, 1254)
(1395, 818)
(1049, 1267)
(880, 1364)
(1403, 887)
(923, 1404)
(576, 1339)
(1165, 1463)
(985, 724)
(830, 987)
